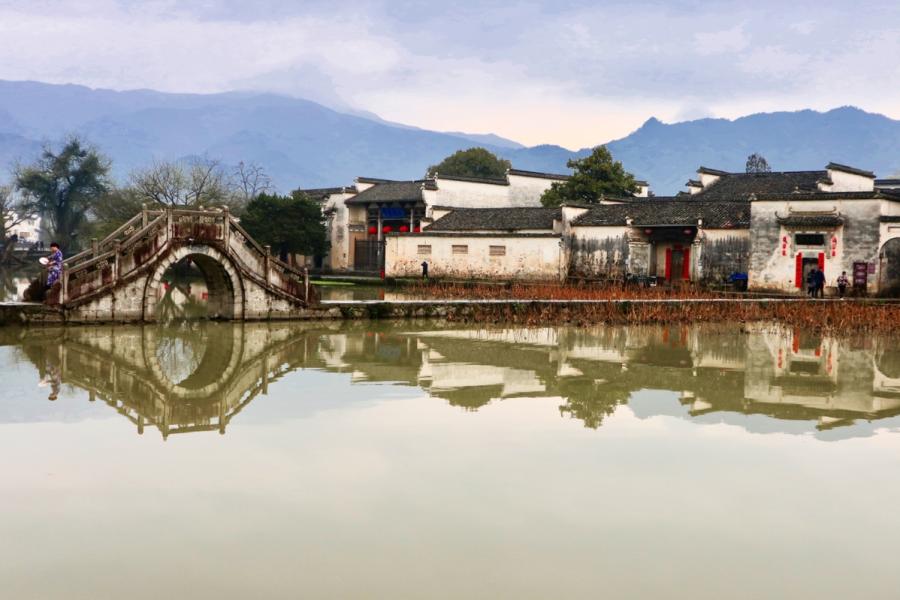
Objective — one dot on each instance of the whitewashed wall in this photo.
(526, 258)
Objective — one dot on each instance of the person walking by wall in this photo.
(424, 269)
(820, 283)
(843, 282)
(811, 283)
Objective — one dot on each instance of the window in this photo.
(497, 251)
(460, 249)
(424, 248)
(809, 239)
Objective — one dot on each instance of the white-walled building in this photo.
(769, 227)
(360, 216)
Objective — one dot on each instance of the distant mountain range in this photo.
(304, 144)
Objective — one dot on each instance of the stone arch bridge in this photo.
(119, 278)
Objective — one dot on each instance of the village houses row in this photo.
(774, 227)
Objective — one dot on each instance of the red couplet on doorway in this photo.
(798, 270)
(686, 263)
(821, 261)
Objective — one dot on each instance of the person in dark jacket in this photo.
(424, 269)
(820, 283)
(811, 283)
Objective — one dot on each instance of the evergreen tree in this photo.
(63, 187)
(289, 224)
(593, 176)
(474, 162)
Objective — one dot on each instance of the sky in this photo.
(562, 72)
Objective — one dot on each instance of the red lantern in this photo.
(417, 229)
(648, 231)
(404, 229)
(387, 229)
(373, 230)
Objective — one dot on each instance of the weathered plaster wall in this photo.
(774, 251)
(842, 181)
(527, 191)
(339, 254)
(467, 194)
(526, 258)
(723, 252)
(597, 252)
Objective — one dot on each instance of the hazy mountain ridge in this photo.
(305, 144)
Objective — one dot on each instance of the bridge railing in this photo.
(151, 232)
(103, 266)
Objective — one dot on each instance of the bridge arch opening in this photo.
(194, 282)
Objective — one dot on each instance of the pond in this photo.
(360, 460)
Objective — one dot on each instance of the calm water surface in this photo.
(410, 461)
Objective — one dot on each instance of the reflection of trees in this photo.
(181, 349)
(591, 401)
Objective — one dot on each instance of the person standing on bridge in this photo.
(54, 265)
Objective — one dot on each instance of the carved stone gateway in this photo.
(118, 279)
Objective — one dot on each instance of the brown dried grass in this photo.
(838, 317)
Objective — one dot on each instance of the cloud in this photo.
(574, 72)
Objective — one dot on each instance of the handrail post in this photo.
(64, 287)
(226, 227)
(169, 225)
(95, 247)
(268, 260)
(306, 285)
(117, 248)
(144, 216)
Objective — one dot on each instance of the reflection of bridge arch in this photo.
(889, 280)
(218, 365)
(223, 281)
(122, 368)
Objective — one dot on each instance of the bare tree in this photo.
(200, 182)
(757, 163)
(248, 181)
(13, 210)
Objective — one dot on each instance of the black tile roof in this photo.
(887, 182)
(811, 220)
(715, 215)
(496, 219)
(390, 191)
(739, 186)
(871, 195)
(323, 193)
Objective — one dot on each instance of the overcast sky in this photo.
(573, 73)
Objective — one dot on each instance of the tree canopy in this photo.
(757, 163)
(289, 224)
(593, 176)
(62, 187)
(474, 162)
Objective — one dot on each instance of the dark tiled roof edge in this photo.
(811, 220)
(889, 181)
(473, 179)
(848, 169)
(873, 195)
(539, 174)
(709, 171)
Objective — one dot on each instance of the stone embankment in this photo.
(806, 315)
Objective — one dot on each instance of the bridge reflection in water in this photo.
(199, 376)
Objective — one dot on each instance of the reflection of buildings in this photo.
(198, 377)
